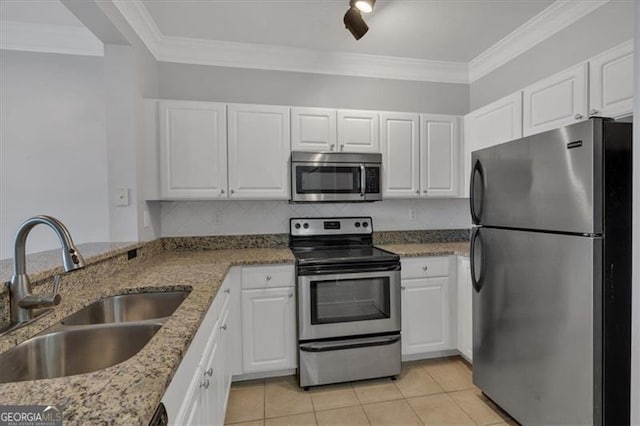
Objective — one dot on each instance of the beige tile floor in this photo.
(430, 392)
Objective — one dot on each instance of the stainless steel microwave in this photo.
(335, 177)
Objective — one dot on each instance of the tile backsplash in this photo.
(198, 218)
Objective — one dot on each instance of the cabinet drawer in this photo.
(268, 276)
(420, 267)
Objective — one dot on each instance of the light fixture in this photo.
(354, 23)
(365, 6)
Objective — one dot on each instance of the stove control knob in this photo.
(365, 224)
(306, 226)
(357, 224)
(297, 226)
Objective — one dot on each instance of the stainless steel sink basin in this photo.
(74, 351)
(128, 307)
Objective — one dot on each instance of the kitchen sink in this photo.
(128, 307)
(74, 351)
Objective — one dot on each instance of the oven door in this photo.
(348, 304)
(328, 182)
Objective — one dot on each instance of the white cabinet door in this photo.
(425, 315)
(313, 129)
(193, 150)
(556, 101)
(211, 378)
(358, 131)
(268, 329)
(440, 155)
(611, 82)
(259, 150)
(498, 122)
(465, 309)
(400, 147)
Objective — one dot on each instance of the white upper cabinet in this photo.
(498, 122)
(556, 101)
(611, 82)
(313, 129)
(259, 150)
(358, 131)
(440, 155)
(193, 150)
(400, 147)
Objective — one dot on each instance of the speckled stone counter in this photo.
(129, 392)
(428, 249)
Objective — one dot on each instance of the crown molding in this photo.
(270, 57)
(137, 15)
(46, 38)
(558, 16)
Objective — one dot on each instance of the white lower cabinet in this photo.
(200, 387)
(425, 305)
(465, 309)
(268, 329)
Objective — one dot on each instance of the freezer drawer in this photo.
(549, 181)
(536, 328)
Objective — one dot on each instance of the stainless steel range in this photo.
(348, 301)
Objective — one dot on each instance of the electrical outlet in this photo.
(413, 214)
(122, 197)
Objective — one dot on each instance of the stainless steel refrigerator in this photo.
(551, 272)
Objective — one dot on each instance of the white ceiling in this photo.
(50, 12)
(452, 30)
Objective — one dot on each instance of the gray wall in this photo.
(52, 146)
(208, 83)
(602, 29)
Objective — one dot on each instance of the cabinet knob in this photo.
(403, 287)
(342, 147)
(424, 268)
(593, 112)
(290, 295)
(418, 191)
(222, 191)
(224, 327)
(209, 372)
(578, 116)
(268, 277)
(333, 145)
(232, 191)
(424, 191)
(205, 384)
(228, 291)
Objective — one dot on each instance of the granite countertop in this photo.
(129, 392)
(428, 249)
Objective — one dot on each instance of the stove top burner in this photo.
(342, 254)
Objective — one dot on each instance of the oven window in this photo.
(327, 180)
(350, 300)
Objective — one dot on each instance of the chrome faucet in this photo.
(23, 302)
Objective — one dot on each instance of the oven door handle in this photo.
(359, 343)
(363, 180)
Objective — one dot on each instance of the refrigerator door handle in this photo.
(476, 238)
(477, 170)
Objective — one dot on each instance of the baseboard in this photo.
(430, 355)
(264, 375)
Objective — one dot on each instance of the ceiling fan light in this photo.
(355, 24)
(365, 6)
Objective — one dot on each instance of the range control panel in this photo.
(330, 226)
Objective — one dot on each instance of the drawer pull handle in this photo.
(578, 117)
(209, 372)
(268, 277)
(424, 268)
(205, 384)
(224, 327)
(290, 295)
(403, 287)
